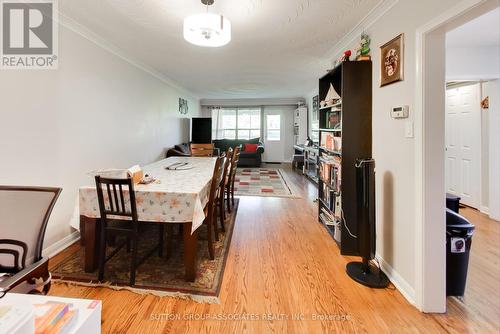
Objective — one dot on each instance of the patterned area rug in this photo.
(158, 276)
(269, 182)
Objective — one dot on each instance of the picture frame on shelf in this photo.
(392, 61)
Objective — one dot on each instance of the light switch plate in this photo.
(409, 129)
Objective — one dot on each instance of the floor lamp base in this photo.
(363, 274)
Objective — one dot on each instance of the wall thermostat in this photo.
(400, 112)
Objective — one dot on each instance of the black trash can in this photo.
(458, 244)
(452, 202)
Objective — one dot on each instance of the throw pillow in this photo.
(251, 148)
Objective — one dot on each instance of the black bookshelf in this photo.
(345, 135)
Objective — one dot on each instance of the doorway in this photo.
(273, 141)
(463, 142)
(430, 290)
(277, 127)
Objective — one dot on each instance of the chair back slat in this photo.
(227, 166)
(216, 180)
(234, 162)
(122, 199)
(119, 193)
(202, 150)
(28, 209)
(116, 199)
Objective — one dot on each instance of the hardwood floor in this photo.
(283, 263)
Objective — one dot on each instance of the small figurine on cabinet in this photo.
(346, 56)
(363, 52)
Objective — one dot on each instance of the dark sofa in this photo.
(247, 159)
(181, 150)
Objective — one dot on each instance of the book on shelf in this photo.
(327, 197)
(338, 207)
(331, 142)
(330, 171)
(326, 218)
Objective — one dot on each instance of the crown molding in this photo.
(366, 22)
(95, 38)
(252, 102)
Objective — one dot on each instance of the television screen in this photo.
(201, 130)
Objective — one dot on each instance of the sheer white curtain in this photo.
(217, 129)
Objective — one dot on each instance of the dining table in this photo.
(178, 194)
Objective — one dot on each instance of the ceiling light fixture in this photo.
(206, 29)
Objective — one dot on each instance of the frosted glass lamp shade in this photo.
(210, 30)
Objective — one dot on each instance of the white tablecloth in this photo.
(179, 197)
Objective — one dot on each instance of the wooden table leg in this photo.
(82, 231)
(190, 243)
(92, 240)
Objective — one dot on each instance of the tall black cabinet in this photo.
(345, 136)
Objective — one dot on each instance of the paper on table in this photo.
(134, 169)
(135, 172)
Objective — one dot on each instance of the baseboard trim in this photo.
(485, 210)
(399, 282)
(61, 245)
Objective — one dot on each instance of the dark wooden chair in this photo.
(211, 207)
(21, 260)
(118, 220)
(225, 181)
(232, 176)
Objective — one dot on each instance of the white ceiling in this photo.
(481, 32)
(279, 47)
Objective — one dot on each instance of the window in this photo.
(273, 127)
(235, 123)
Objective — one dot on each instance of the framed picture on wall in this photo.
(392, 61)
(315, 108)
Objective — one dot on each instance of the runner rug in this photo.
(158, 276)
(269, 182)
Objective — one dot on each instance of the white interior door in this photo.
(463, 143)
(273, 135)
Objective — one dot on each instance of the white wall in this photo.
(472, 63)
(395, 154)
(494, 154)
(485, 149)
(96, 111)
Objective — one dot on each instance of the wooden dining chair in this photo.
(232, 176)
(224, 183)
(119, 220)
(211, 207)
(202, 150)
